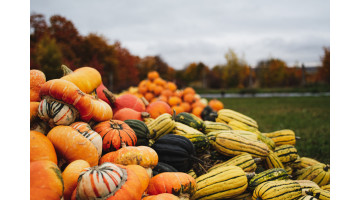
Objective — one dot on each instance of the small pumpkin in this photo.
(216, 104)
(177, 183)
(115, 132)
(37, 78)
(45, 180)
(124, 101)
(158, 108)
(70, 176)
(163, 196)
(87, 79)
(128, 113)
(41, 148)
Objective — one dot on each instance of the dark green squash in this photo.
(190, 120)
(268, 175)
(141, 130)
(208, 114)
(163, 167)
(175, 150)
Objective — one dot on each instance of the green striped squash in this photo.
(245, 161)
(272, 161)
(319, 173)
(190, 120)
(286, 153)
(200, 140)
(277, 190)
(215, 126)
(221, 183)
(141, 130)
(268, 175)
(282, 137)
(306, 185)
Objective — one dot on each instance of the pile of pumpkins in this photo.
(88, 143)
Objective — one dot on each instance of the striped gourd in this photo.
(233, 144)
(192, 173)
(319, 193)
(238, 125)
(268, 175)
(247, 134)
(272, 161)
(326, 187)
(289, 169)
(282, 137)
(200, 141)
(141, 130)
(307, 162)
(84, 129)
(227, 115)
(277, 190)
(319, 173)
(57, 112)
(224, 182)
(306, 185)
(307, 197)
(245, 161)
(190, 120)
(215, 126)
(148, 120)
(243, 196)
(296, 163)
(286, 153)
(269, 142)
(161, 126)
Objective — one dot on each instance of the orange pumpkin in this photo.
(163, 196)
(45, 180)
(197, 111)
(128, 113)
(109, 181)
(71, 145)
(158, 89)
(159, 81)
(177, 183)
(84, 129)
(158, 108)
(167, 93)
(141, 174)
(87, 79)
(124, 101)
(186, 106)
(151, 87)
(163, 98)
(37, 78)
(114, 132)
(198, 104)
(190, 98)
(171, 86)
(216, 104)
(174, 101)
(189, 90)
(41, 148)
(178, 109)
(153, 75)
(70, 176)
(149, 96)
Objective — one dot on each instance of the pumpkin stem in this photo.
(297, 138)
(66, 70)
(110, 96)
(123, 145)
(213, 114)
(250, 175)
(326, 168)
(257, 160)
(145, 115)
(145, 101)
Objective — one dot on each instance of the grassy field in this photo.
(309, 117)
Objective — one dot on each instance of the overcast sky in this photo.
(188, 31)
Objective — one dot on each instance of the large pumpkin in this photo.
(110, 181)
(41, 148)
(115, 132)
(177, 183)
(70, 176)
(71, 145)
(45, 180)
(87, 79)
(37, 78)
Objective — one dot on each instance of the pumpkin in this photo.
(141, 155)
(153, 75)
(100, 93)
(163, 167)
(70, 176)
(190, 98)
(177, 183)
(186, 106)
(141, 130)
(45, 180)
(174, 101)
(197, 111)
(124, 101)
(63, 102)
(115, 132)
(216, 104)
(163, 196)
(71, 145)
(158, 108)
(142, 174)
(37, 78)
(109, 181)
(189, 90)
(35, 123)
(178, 109)
(84, 129)
(41, 148)
(128, 113)
(87, 79)
(171, 86)
(175, 150)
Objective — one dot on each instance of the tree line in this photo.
(59, 42)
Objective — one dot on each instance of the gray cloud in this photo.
(190, 31)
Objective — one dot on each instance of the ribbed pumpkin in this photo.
(41, 148)
(115, 132)
(141, 130)
(37, 78)
(70, 176)
(87, 79)
(71, 145)
(109, 181)
(175, 150)
(163, 167)
(163, 196)
(84, 129)
(45, 180)
(128, 155)
(177, 183)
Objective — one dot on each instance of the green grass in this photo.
(309, 117)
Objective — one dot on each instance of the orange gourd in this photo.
(128, 113)
(190, 98)
(171, 86)
(41, 148)
(177, 183)
(189, 90)
(186, 106)
(84, 129)
(178, 109)
(153, 75)
(45, 180)
(174, 101)
(163, 196)
(197, 111)
(158, 108)
(114, 133)
(216, 104)
(71, 145)
(37, 78)
(70, 176)
(87, 79)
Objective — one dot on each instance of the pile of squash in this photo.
(88, 143)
